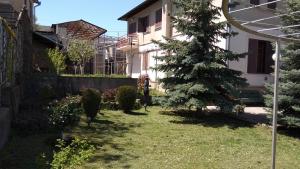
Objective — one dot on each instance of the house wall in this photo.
(238, 44)
(18, 5)
(146, 38)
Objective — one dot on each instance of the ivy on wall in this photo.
(7, 50)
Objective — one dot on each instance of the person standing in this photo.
(146, 92)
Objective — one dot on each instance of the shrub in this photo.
(126, 97)
(65, 112)
(73, 155)
(110, 106)
(110, 95)
(141, 81)
(57, 60)
(91, 100)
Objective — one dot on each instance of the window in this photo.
(144, 24)
(145, 61)
(132, 28)
(272, 5)
(254, 2)
(260, 56)
(158, 19)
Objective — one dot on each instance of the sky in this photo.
(103, 13)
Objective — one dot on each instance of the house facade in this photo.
(151, 20)
(15, 58)
(9, 9)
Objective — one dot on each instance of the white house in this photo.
(151, 20)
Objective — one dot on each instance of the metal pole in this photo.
(156, 76)
(275, 104)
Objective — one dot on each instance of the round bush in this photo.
(65, 112)
(91, 100)
(126, 97)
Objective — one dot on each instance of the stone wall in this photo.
(73, 85)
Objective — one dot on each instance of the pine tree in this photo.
(196, 71)
(289, 82)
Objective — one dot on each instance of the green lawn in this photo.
(164, 140)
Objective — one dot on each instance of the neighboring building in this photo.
(106, 60)
(43, 39)
(151, 20)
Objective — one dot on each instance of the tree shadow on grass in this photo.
(102, 133)
(212, 119)
(22, 152)
(136, 113)
(291, 132)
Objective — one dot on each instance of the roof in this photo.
(48, 37)
(81, 29)
(137, 9)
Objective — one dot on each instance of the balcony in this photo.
(128, 42)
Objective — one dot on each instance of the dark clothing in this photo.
(146, 86)
(146, 93)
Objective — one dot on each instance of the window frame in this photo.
(144, 24)
(260, 57)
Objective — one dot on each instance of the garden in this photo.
(111, 129)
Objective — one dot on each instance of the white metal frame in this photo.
(278, 39)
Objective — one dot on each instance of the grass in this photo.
(165, 140)
(176, 141)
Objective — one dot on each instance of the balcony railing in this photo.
(127, 42)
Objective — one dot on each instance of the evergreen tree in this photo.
(196, 71)
(289, 82)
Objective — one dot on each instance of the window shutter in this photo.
(132, 28)
(145, 61)
(140, 25)
(268, 59)
(252, 56)
(158, 16)
(147, 27)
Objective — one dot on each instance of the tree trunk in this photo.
(81, 69)
(75, 69)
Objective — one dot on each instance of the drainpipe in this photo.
(34, 11)
(229, 38)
